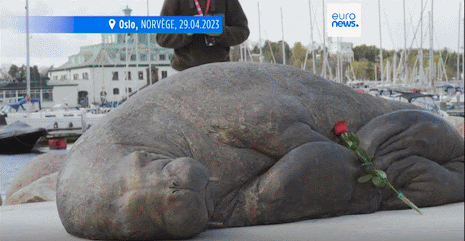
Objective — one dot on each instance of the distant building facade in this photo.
(113, 69)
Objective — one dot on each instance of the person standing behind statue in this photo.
(196, 49)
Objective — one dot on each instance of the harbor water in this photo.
(10, 164)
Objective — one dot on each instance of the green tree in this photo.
(299, 53)
(35, 75)
(367, 52)
(22, 72)
(278, 51)
(256, 49)
(13, 72)
(268, 51)
(370, 71)
(271, 49)
(361, 68)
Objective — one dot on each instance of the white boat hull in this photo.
(52, 121)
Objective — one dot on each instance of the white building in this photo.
(345, 49)
(111, 70)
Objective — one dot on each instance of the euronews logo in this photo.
(344, 20)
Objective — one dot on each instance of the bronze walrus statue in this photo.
(239, 144)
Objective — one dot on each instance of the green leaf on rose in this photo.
(364, 178)
(378, 181)
(349, 144)
(382, 174)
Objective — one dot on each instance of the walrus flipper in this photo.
(314, 180)
(422, 155)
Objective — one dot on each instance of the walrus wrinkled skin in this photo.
(245, 144)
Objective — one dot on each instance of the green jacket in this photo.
(191, 50)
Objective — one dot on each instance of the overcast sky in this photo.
(54, 49)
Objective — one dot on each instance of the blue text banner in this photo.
(122, 24)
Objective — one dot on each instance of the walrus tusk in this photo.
(215, 224)
(213, 179)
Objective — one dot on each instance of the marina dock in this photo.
(70, 134)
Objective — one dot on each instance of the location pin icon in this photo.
(112, 23)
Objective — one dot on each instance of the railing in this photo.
(10, 100)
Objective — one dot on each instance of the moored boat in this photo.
(18, 137)
(59, 117)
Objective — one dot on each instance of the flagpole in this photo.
(28, 71)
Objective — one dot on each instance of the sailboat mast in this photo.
(149, 58)
(421, 44)
(127, 12)
(431, 53)
(405, 47)
(126, 78)
(259, 34)
(324, 41)
(341, 60)
(311, 35)
(282, 29)
(431, 75)
(28, 71)
(341, 70)
(380, 43)
(388, 71)
(394, 69)
(337, 61)
(458, 44)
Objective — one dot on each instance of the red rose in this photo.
(340, 128)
